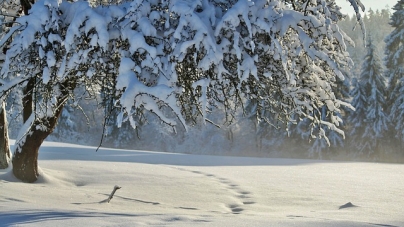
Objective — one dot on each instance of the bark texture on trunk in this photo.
(4, 145)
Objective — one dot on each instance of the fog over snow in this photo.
(165, 189)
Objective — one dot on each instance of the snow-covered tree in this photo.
(177, 59)
(320, 141)
(8, 14)
(397, 111)
(394, 52)
(370, 121)
(356, 118)
(394, 62)
(333, 142)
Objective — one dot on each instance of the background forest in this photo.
(370, 131)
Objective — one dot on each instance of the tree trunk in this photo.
(25, 158)
(4, 145)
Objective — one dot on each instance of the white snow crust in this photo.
(165, 189)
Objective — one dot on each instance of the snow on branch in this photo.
(185, 56)
(358, 7)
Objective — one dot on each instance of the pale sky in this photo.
(373, 4)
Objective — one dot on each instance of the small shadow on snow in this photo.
(383, 225)
(187, 208)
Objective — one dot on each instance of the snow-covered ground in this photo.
(164, 189)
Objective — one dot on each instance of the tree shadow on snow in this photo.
(31, 217)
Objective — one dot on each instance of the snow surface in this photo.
(165, 189)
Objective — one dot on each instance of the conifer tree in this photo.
(370, 121)
(356, 117)
(394, 61)
(397, 112)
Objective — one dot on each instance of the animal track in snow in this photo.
(240, 195)
(235, 209)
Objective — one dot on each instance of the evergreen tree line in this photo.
(374, 131)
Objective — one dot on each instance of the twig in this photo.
(113, 192)
(213, 123)
(104, 125)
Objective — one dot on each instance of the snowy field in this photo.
(164, 189)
